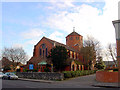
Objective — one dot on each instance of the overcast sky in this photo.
(25, 23)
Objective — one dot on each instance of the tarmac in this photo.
(93, 82)
(106, 85)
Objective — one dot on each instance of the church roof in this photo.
(60, 44)
(73, 33)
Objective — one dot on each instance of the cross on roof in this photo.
(73, 29)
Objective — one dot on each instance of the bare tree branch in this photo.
(112, 53)
(16, 55)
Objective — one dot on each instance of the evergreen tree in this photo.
(100, 64)
(59, 56)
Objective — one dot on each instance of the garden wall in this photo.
(105, 76)
(41, 75)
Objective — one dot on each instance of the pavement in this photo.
(106, 85)
(37, 80)
(86, 80)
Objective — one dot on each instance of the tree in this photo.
(100, 64)
(111, 51)
(91, 48)
(16, 55)
(59, 56)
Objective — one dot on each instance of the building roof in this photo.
(73, 33)
(108, 62)
(60, 44)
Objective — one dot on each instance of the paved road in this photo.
(79, 82)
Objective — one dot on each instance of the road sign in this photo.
(31, 67)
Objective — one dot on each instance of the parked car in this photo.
(9, 75)
(1, 75)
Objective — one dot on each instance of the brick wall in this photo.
(118, 54)
(73, 41)
(37, 47)
(104, 76)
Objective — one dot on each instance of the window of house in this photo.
(77, 67)
(46, 52)
(43, 46)
(71, 38)
(43, 53)
(40, 51)
(77, 38)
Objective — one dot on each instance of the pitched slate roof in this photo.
(60, 44)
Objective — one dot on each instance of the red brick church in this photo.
(74, 42)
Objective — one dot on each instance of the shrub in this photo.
(73, 73)
(77, 73)
(6, 68)
(47, 70)
(67, 74)
(35, 70)
(25, 70)
(116, 69)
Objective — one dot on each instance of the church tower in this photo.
(74, 40)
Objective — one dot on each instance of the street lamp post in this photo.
(116, 24)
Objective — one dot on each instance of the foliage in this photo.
(25, 70)
(35, 70)
(116, 69)
(90, 50)
(18, 70)
(100, 64)
(73, 73)
(67, 74)
(59, 56)
(70, 74)
(6, 68)
(47, 69)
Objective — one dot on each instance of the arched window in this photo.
(77, 67)
(70, 38)
(46, 52)
(73, 67)
(40, 52)
(43, 46)
(43, 53)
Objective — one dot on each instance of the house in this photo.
(8, 65)
(74, 42)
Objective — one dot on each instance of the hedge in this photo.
(70, 74)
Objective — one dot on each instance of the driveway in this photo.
(82, 81)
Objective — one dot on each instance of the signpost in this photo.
(51, 67)
(31, 66)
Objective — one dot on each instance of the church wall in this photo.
(74, 39)
(37, 47)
